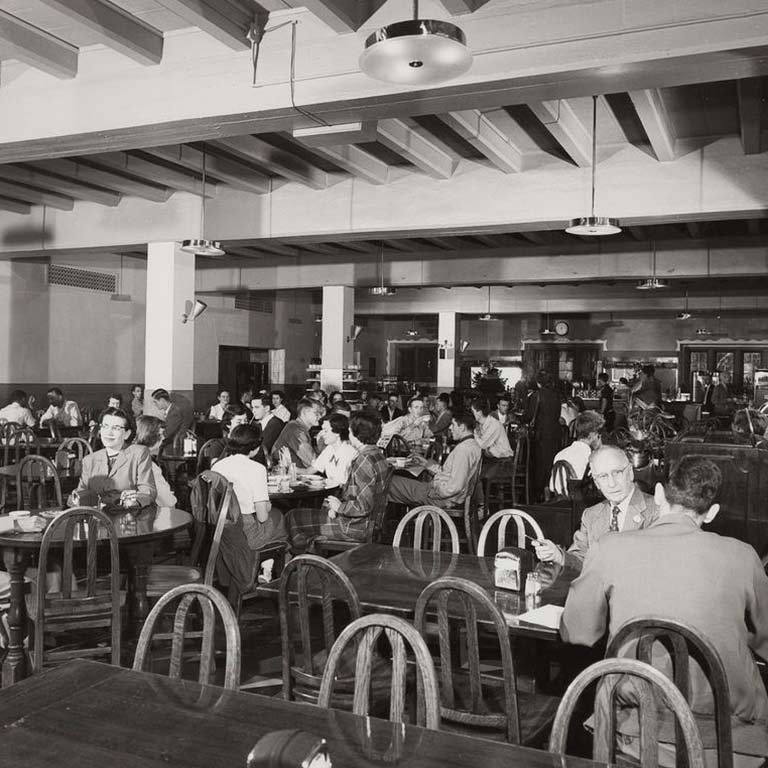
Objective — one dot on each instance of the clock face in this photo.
(561, 328)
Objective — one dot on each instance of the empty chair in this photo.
(680, 638)
(562, 472)
(471, 698)
(428, 519)
(77, 445)
(365, 632)
(17, 443)
(37, 484)
(650, 683)
(501, 521)
(210, 450)
(211, 601)
(95, 600)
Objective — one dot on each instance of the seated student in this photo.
(295, 436)
(216, 412)
(337, 456)
(149, 432)
(17, 411)
(747, 423)
(440, 424)
(586, 439)
(414, 425)
(257, 523)
(363, 498)
(117, 472)
(674, 570)
(115, 400)
(278, 409)
(450, 484)
(491, 436)
(64, 412)
(503, 410)
(271, 426)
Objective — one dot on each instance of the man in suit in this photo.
(673, 570)
(390, 411)
(177, 421)
(271, 426)
(626, 508)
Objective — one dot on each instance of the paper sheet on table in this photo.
(545, 616)
(6, 524)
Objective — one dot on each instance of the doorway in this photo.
(242, 368)
(416, 361)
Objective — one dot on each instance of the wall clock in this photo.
(561, 328)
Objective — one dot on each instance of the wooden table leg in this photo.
(15, 664)
(139, 558)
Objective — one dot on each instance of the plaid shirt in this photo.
(365, 493)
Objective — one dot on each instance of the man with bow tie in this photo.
(625, 508)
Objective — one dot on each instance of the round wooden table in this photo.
(301, 495)
(137, 533)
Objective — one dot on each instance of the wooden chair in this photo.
(562, 473)
(521, 475)
(466, 514)
(210, 600)
(93, 604)
(472, 699)
(77, 445)
(502, 518)
(20, 442)
(650, 682)
(303, 661)
(680, 638)
(401, 636)
(34, 475)
(210, 450)
(437, 518)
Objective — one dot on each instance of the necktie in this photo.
(614, 519)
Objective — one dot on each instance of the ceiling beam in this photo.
(750, 91)
(114, 28)
(656, 122)
(275, 160)
(226, 26)
(694, 229)
(275, 248)
(403, 244)
(445, 243)
(36, 196)
(486, 137)
(154, 172)
(235, 174)
(356, 161)
(457, 7)
(58, 184)
(14, 206)
(559, 118)
(107, 179)
(340, 15)
(416, 147)
(38, 49)
(359, 246)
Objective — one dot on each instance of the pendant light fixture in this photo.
(546, 330)
(381, 289)
(200, 246)
(412, 332)
(652, 283)
(416, 52)
(594, 226)
(685, 314)
(487, 317)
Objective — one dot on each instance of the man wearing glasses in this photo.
(626, 508)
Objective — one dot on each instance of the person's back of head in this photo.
(148, 430)
(481, 405)
(304, 405)
(587, 423)
(341, 406)
(244, 439)
(603, 377)
(693, 485)
(466, 420)
(161, 394)
(18, 396)
(366, 427)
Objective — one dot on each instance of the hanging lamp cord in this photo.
(594, 149)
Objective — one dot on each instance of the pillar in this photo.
(338, 346)
(169, 343)
(446, 354)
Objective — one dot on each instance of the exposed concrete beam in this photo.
(457, 7)
(38, 196)
(750, 91)
(486, 137)
(356, 161)
(341, 15)
(223, 24)
(415, 146)
(656, 122)
(114, 28)
(445, 243)
(36, 48)
(567, 128)
(68, 187)
(14, 206)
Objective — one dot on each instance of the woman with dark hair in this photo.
(115, 400)
(119, 472)
(18, 410)
(137, 400)
(150, 433)
(338, 454)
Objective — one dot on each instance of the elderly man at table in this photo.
(296, 438)
(414, 425)
(363, 498)
(625, 508)
(17, 411)
(62, 411)
(587, 428)
(673, 570)
(450, 483)
(177, 421)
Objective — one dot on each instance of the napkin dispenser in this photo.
(510, 567)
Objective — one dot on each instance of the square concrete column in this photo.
(446, 353)
(170, 343)
(337, 350)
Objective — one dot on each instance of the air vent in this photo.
(254, 304)
(74, 277)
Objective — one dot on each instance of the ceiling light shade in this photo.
(652, 284)
(594, 226)
(382, 290)
(486, 318)
(463, 345)
(202, 247)
(684, 316)
(193, 310)
(547, 332)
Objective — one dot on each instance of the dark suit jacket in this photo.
(177, 422)
(132, 470)
(271, 432)
(674, 570)
(385, 417)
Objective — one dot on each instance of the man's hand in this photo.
(333, 503)
(547, 551)
(416, 458)
(285, 456)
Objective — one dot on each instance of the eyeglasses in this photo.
(614, 474)
(111, 428)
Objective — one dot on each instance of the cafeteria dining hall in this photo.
(383, 382)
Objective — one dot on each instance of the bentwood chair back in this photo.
(521, 475)
(562, 472)
(211, 602)
(303, 660)
(94, 601)
(680, 640)
(19, 442)
(649, 684)
(210, 450)
(403, 638)
(428, 519)
(501, 520)
(77, 445)
(35, 476)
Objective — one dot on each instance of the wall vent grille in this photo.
(75, 277)
(254, 304)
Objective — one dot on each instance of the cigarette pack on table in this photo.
(511, 566)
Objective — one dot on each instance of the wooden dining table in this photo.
(138, 532)
(86, 713)
(390, 579)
